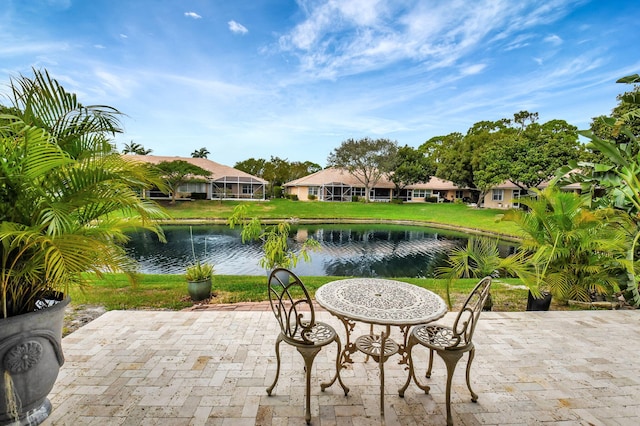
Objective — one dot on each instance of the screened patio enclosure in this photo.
(335, 191)
(237, 188)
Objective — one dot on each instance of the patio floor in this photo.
(212, 367)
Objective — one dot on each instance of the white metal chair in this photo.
(450, 342)
(293, 308)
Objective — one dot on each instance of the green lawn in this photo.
(169, 291)
(446, 214)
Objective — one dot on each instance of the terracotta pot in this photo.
(30, 359)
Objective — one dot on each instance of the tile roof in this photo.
(217, 170)
(334, 175)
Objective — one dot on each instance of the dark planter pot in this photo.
(30, 359)
(199, 290)
(539, 304)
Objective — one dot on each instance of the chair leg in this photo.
(412, 371)
(381, 362)
(270, 388)
(451, 360)
(323, 386)
(308, 354)
(472, 353)
(428, 375)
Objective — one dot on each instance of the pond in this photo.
(346, 250)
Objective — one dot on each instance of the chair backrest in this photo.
(292, 306)
(467, 319)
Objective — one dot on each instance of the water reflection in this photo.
(347, 250)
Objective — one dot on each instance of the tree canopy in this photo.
(411, 166)
(520, 150)
(366, 159)
(178, 172)
(277, 171)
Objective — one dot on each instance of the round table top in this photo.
(381, 301)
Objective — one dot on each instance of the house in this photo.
(335, 184)
(224, 183)
(506, 195)
(503, 196)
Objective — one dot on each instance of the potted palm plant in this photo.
(199, 276)
(68, 200)
(568, 250)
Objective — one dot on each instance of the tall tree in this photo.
(178, 172)
(200, 153)
(253, 166)
(135, 148)
(301, 169)
(436, 148)
(411, 166)
(366, 159)
(276, 171)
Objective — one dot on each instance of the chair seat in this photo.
(370, 344)
(436, 336)
(319, 335)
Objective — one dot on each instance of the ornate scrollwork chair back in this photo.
(450, 342)
(293, 309)
(467, 319)
(292, 306)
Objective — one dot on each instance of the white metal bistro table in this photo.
(378, 301)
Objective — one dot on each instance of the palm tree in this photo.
(572, 251)
(135, 148)
(200, 153)
(68, 198)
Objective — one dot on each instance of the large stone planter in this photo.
(30, 359)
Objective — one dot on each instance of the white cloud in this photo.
(237, 28)
(124, 36)
(473, 69)
(192, 15)
(553, 39)
(99, 46)
(347, 37)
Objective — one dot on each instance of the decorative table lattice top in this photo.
(380, 301)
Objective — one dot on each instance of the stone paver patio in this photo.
(212, 368)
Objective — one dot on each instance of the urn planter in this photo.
(30, 359)
(199, 290)
(539, 304)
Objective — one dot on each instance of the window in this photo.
(192, 187)
(497, 194)
(246, 189)
(314, 190)
(357, 192)
(421, 193)
(459, 194)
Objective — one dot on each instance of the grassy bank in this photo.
(448, 215)
(167, 291)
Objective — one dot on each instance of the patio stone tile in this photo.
(208, 367)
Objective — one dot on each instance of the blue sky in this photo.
(293, 79)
